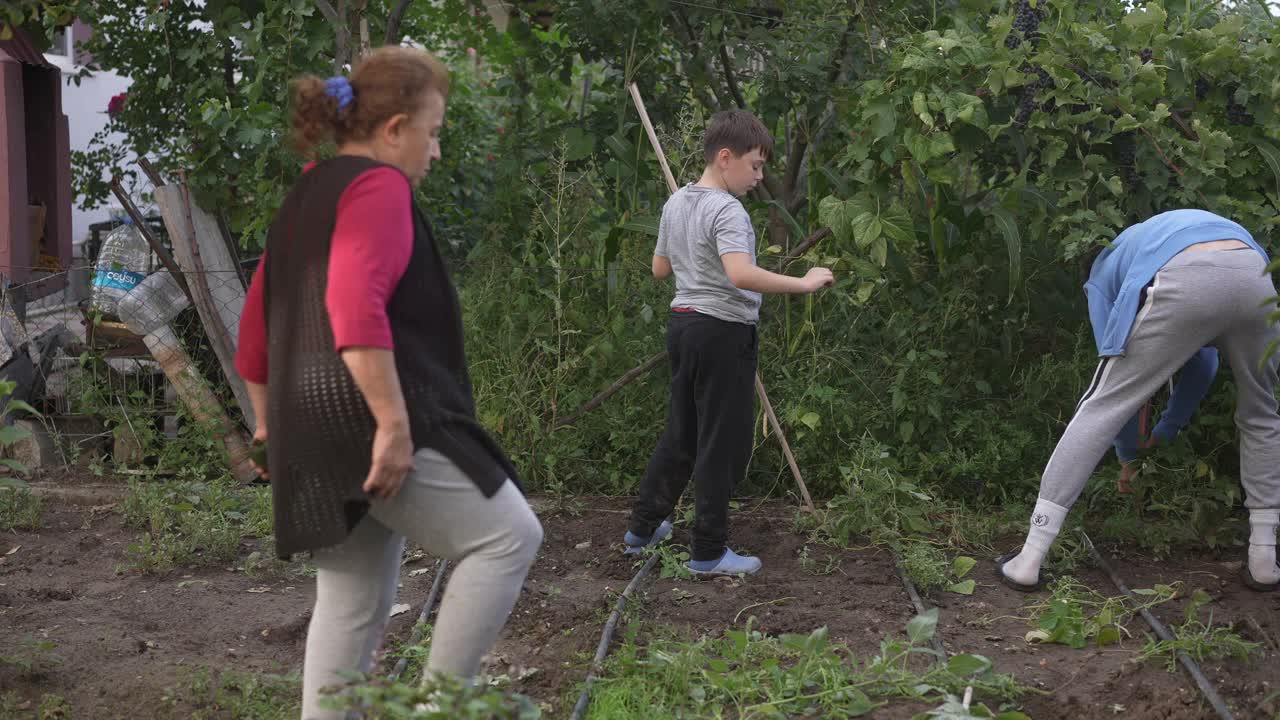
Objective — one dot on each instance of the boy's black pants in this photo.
(709, 428)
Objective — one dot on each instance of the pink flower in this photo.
(116, 104)
(502, 130)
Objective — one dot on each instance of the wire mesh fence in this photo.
(117, 359)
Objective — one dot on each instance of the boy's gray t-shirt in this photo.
(699, 224)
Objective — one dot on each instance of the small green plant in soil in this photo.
(809, 562)
(671, 560)
(50, 707)
(235, 695)
(747, 674)
(1200, 640)
(31, 658)
(1076, 615)
(20, 509)
(436, 698)
(928, 567)
(415, 654)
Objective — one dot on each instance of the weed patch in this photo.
(746, 674)
(435, 699)
(20, 509)
(1200, 640)
(235, 695)
(190, 523)
(1076, 615)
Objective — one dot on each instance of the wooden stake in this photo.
(764, 397)
(653, 137)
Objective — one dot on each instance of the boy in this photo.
(1205, 283)
(706, 240)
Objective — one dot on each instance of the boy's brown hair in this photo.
(739, 131)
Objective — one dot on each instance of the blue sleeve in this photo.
(1099, 311)
(1191, 387)
(1126, 442)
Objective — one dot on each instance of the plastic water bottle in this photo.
(151, 305)
(123, 262)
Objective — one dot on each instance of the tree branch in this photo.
(728, 73)
(803, 248)
(394, 21)
(696, 56)
(617, 385)
(327, 10)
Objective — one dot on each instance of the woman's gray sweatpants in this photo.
(1199, 298)
(493, 541)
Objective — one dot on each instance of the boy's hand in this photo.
(818, 278)
(1124, 483)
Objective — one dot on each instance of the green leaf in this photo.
(883, 117)
(1108, 636)
(896, 223)
(1271, 156)
(965, 664)
(789, 219)
(11, 434)
(647, 224)
(1148, 19)
(578, 144)
(16, 404)
(1124, 122)
(962, 565)
(1013, 244)
(865, 288)
(906, 429)
(811, 419)
(963, 588)
(623, 151)
(880, 251)
(12, 482)
(831, 214)
(922, 627)
(15, 465)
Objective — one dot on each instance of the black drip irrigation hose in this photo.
(441, 566)
(1202, 682)
(919, 605)
(580, 708)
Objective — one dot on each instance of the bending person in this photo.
(1205, 284)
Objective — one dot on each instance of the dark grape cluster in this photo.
(1125, 155)
(1145, 55)
(1202, 88)
(1027, 100)
(1026, 25)
(1237, 114)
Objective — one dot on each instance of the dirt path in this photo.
(126, 640)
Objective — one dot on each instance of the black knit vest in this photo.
(320, 428)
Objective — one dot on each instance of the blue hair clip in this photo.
(339, 88)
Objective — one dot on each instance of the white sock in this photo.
(1262, 545)
(1046, 521)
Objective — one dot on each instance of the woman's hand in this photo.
(392, 460)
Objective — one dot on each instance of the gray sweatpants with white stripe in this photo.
(1199, 298)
